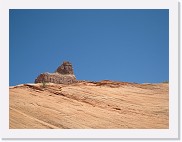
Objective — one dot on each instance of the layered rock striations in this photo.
(89, 105)
(63, 75)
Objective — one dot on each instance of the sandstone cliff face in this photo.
(63, 75)
(85, 105)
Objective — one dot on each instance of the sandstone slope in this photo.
(86, 105)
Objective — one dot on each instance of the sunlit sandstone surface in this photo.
(89, 105)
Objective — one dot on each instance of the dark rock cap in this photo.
(65, 68)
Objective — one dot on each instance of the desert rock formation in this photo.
(97, 105)
(65, 68)
(63, 75)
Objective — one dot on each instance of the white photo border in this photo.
(171, 133)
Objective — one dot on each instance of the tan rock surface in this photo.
(84, 104)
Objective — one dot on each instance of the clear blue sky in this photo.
(121, 45)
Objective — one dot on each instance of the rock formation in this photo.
(89, 105)
(63, 75)
(65, 68)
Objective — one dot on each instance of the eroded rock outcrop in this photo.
(63, 75)
(65, 68)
